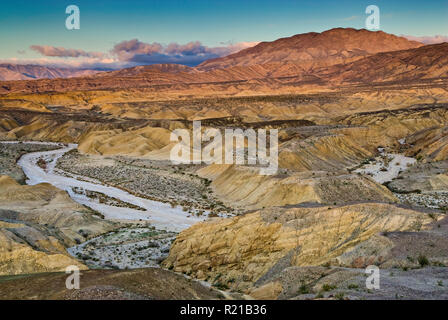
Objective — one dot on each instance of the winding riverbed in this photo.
(160, 215)
(382, 172)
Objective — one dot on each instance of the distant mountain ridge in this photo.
(334, 57)
(282, 57)
(10, 71)
(339, 45)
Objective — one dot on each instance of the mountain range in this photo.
(313, 49)
(10, 71)
(333, 57)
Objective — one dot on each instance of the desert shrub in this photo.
(304, 289)
(221, 286)
(339, 296)
(328, 287)
(423, 260)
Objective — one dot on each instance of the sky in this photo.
(117, 33)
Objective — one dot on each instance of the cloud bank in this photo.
(191, 54)
(50, 51)
(133, 52)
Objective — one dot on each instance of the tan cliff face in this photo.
(330, 151)
(24, 250)
(243, 187)
(132, 143)
(42, 128)
(7, 124)
(239, 251)
(37, 224)
(430, 144)
(44, 204)
(421, 126)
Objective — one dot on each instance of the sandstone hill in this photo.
(28, 248)
(420, 256)
(422, 127)
(238, 252)
(430, 144)
(45, 204)
(243, 187)
(38, 223)
(131, 143)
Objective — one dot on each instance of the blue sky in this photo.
(104, 24)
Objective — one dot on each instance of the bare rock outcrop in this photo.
(137, 142)
(38, 223)
(26, 249)
(239, 251)
(430, 144)
(44, 204)
(244, 187)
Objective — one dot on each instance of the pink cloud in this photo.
(125, 50)
(191, 53)
(131, 53)
(50, 51)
